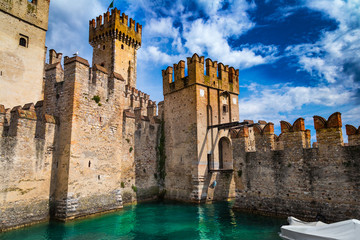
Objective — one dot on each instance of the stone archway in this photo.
(225, 154)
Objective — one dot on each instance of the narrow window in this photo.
(225, 108)
(122, 46)
(23, 42)
(89, 164)
(104, 47)
(103, 65)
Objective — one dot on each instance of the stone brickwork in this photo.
(105, 142)
(115, 40)
(206, 97)
(22, 50)
(96, 142)
(90, 146)
(297, 180)
(353, 135)
(26, 154)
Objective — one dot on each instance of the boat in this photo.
(300, 230)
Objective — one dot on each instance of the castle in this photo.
(94, 142)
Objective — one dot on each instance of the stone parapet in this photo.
(264, 137)
(115, 26)
(294, 136)
(328, 132)
(353, 135)
(26, 154)
(295, 179)
(217, 76)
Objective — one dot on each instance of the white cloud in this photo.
(335, 56)
(207, 36)
(274, 102)
(352, 116)
(68, 26)
(161, 27)
(156, 56)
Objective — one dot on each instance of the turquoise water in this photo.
(159, 221)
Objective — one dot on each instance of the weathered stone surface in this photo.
(25, 163)
(191, 104)
(22, 67)
(300, 181)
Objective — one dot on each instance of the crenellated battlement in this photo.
(27, 122)
(215, 75)
(353, 135)
(115, 26)
(96, 81)
(54, 57)
(145, 113)
(268, 129)
(293, 136)
(299, 125)
(283, 172)
(296, 137)
(329, 132)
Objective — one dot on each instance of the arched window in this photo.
(23, 42)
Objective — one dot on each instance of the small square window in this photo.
(24, 41)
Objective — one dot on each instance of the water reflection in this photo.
(158, 221)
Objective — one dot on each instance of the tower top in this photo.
(215, 75)
(115, 26)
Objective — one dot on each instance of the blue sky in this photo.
(296, 58)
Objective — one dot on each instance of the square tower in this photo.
(115, 40)
(198, 150)
(22, 50)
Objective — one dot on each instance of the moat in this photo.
(155, 220)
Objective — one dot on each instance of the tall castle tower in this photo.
(22, 50)
(198, 111)
(115, 41)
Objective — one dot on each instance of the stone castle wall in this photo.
(22, 67)
(106, 147)
(26, 155)
(207, 96)
(285, 177)
(99, 153)
(115, 39)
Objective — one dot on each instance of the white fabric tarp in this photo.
(345, 230)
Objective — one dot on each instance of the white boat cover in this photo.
(345, 230)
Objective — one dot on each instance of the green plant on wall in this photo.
(96, 98)
(131, 149)
(162, 155)
(134, 188)
(122, 185)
